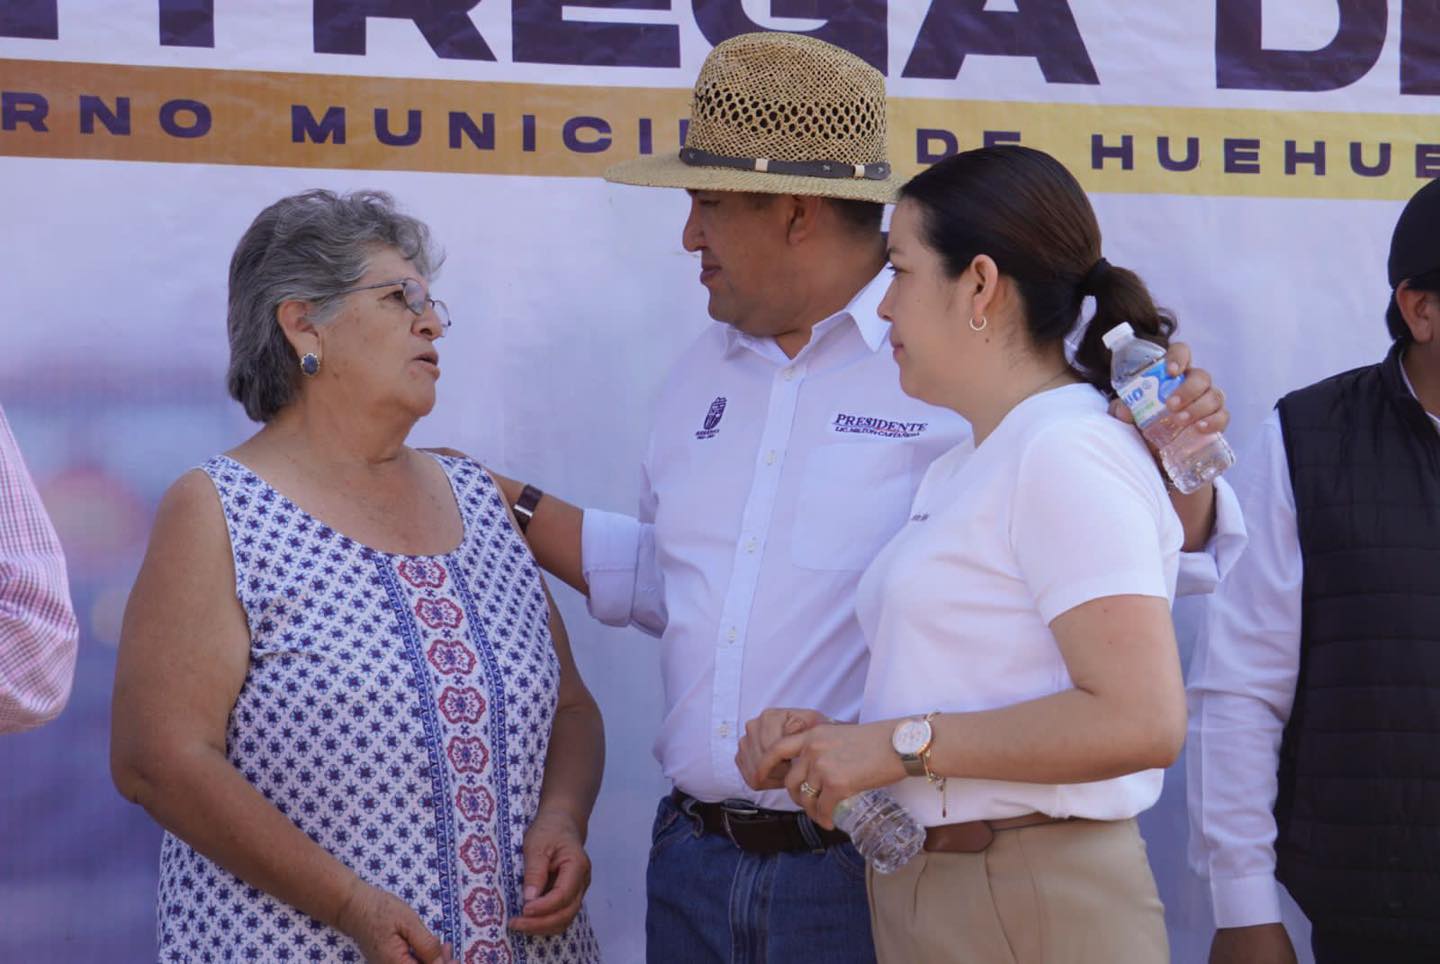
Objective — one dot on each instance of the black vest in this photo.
(1359, 803)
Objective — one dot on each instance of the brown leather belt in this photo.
(974, 836)
(756, 830)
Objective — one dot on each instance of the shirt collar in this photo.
(862, 311)
(1411, 389)
(864, 308)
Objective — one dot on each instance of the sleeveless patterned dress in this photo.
(398, 710)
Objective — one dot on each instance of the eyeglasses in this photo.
(417, 299)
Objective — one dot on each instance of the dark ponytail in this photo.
(1119, 297)
(1022, 207)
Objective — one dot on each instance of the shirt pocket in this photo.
(853, 498)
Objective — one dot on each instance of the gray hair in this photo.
(307, 247)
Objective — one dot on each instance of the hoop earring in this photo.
(980, 327)
(310, 363)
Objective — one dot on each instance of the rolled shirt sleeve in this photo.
(1201, 572)
(1241, 690)
(38, 630)
(617, 554)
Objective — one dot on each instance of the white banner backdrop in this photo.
(1249, 158)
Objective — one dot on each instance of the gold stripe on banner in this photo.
(187, 115)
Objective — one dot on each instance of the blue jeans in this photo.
(710, 901)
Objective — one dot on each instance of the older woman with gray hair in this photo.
(342, 688)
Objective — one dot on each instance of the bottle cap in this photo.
(1120, 333)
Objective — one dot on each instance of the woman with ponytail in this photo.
(1024, 693)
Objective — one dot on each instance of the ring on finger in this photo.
(807, 789)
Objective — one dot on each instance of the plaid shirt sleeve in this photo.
(38, 632)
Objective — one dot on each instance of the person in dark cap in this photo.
(1315, 692)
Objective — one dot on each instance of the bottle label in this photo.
(1145, 394)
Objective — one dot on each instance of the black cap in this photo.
(1415, 245)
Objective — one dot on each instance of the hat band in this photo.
(834, 169)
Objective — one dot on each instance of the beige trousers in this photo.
(1063, 893)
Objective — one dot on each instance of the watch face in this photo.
(911, 737)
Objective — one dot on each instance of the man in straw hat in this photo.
(783, 457)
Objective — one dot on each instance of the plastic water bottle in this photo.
(1137, 370)
(881, 829)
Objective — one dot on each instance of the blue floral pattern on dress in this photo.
(397, 709)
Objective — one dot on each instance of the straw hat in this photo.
(779, 113)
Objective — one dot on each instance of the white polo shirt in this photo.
(768, 486)
(1060, 505)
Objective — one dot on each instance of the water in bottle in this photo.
(1137, 370)
(881, 829)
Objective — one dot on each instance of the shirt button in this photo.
(724, 729)
(730, 636)
(770, 457)
(789, 374)
(750, 546)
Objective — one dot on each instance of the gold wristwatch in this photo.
(911, 740)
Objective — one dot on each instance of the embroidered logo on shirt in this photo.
(867, 425)
(712, 419)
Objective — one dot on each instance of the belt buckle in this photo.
(736, 807)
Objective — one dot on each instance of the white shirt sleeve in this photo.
(617, 554)
(1201, 572)
(1241, 689)
(1087, 519)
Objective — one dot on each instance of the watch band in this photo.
(524, 508)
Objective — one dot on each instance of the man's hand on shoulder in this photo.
(1258, 944)
(1200, 403)
(1197, 401)
(448, 453)
(509, 488)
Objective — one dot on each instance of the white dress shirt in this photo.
(1242, 687)
(1059, 506)
(769, 485)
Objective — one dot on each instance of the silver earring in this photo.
(310, 363)
(980, 327)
